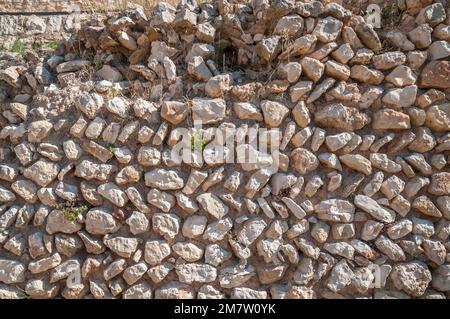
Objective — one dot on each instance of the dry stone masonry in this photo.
(30, 20)
(347, 128)
(34, 6)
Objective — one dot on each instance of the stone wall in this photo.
(45, 18)
(259, 149)
(43, 25)
(45, 6)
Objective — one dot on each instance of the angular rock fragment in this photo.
(388, 119)
(412, 277)
(163, 179)
(357, 162)
(208, 111)
(340, 117)
(274, 113)
(374, 209)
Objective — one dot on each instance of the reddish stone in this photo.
(440, 184)
(436, 74)
(388, 119)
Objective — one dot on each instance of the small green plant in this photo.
(198, 141)
(19, 47)
(54, 44)
(111, 147)
(71, 211)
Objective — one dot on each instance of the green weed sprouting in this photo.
(198, 141)
(19, 47)
(54, 44)
(111, 147)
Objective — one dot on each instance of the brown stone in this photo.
(303, 161)
(340, 117)
(440, 184)
(436, 74)
(388, 119)
(173, 111)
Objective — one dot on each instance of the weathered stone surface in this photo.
(357, 162)
(161, 200)
(234, 276)
(113, 193)
(100, 222)
(438, 118)
(122, 246)
(118, 106)
(58, 221)
(440, 184)
(196, 272)
(25, 189)
(72, 66)
(435, 74)
(11, 271)
(167, 225)
(156, 251)
(303, 160)
(441, 278)
(388, 60)
(424, 205)
(312, 68)
(247, 111)
(208, 111)
(366, 33)
(274, 113)
(403, 97)
(268, 48)
(340, 117)
(6, 195)
(44, 264)
(393, 251)
(388, 119)
(340, 277)
(163, 179)
(327, 29)
(174, 112)
(213, 205)
(300, 46)
(412, 277)
(38, 131)
(374, 209)
(335, 210)
(432, 14)
(251, 230)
